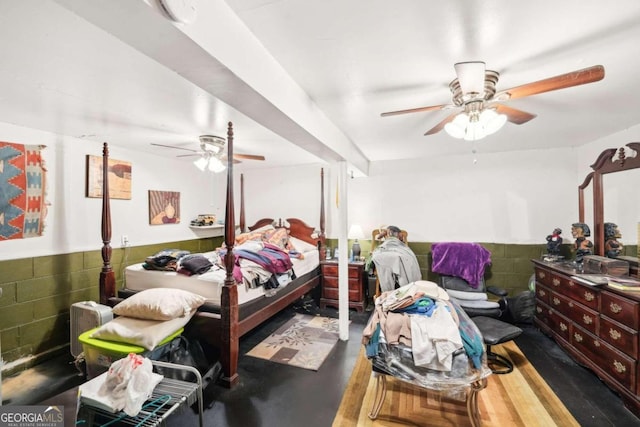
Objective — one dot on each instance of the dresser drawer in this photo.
(559, 323)
(542, 293)
(332, 294)
(583, 294)
(583, 316)
(619, 336)
(620, 309)
(615, 363)
(332, 270)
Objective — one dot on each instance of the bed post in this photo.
(321, 237)
(242, 219)
(229, 298)
(107, 278)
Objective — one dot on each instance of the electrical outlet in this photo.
(125, 240)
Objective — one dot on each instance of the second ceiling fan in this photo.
(212, 146)
(474, 91)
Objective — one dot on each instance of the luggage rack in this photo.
(168, 396)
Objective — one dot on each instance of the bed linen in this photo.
(208, 284)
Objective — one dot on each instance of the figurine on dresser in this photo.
(554, 242)
(612, 247)
(583, 246)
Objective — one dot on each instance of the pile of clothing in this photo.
(417, 333)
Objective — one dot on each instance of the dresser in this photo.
(357, 284)
(597, 326)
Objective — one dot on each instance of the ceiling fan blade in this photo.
(416, 110)
(189, 155)
(437, 128)
(514, 116)
(173, 146)
(248, 156)
(563, 81)
(471, 76)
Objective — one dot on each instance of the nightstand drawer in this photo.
(332, 270)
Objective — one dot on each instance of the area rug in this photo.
(520, 398)
(304, 341)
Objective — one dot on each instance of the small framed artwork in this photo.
(119, 178)
(164, 207)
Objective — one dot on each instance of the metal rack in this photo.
(167, 398)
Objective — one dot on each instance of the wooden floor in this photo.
(272, 394)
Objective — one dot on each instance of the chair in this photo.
(454, 260)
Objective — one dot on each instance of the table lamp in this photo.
(355, 232)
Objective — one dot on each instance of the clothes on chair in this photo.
(396, 264)
(433, 333)
(465, 260)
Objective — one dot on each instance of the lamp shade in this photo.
(475, 126)
(201, 163)
(355, 232)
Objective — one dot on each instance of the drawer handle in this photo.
(539, 309)
(563, 327)
(556, 281)
(589, 296)
(615, 308)
(577, 337)
(541, 274)
(596, 343)
(556, 301)
(619, 366)
(587, 319)
(614, 334)
(542, 293)
(571, 304)
(571, 284)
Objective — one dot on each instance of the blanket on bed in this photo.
(273, 260)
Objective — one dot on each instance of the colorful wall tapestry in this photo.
(22, 191)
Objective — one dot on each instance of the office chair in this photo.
(458, 263)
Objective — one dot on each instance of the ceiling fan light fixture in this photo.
(216, 165)
(492, 121)
(457, 127)
(201, 163)
(475, 125)
(471, 76)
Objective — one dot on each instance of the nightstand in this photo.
(357, 284)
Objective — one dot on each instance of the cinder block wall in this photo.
(38, 292)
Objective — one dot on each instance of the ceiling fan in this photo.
(474, 90)
(212, 146)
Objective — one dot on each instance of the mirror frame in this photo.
(605, 164)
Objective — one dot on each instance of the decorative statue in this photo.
(554, 241)
(612, 247)
(580, 231)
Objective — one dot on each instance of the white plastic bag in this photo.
(130, 382)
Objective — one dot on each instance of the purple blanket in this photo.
(464, 260)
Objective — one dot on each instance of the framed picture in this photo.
(119, 178)
(164, 207)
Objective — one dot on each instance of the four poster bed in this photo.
(231, 310)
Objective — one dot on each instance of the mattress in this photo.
(208, 284)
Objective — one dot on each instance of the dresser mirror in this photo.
(610, 193)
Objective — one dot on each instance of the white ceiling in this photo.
(305, 81)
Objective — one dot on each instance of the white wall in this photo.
(73, 221)
(516, 197)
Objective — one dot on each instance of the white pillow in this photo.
(143, 333)
(301, 245)
(159, 304)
